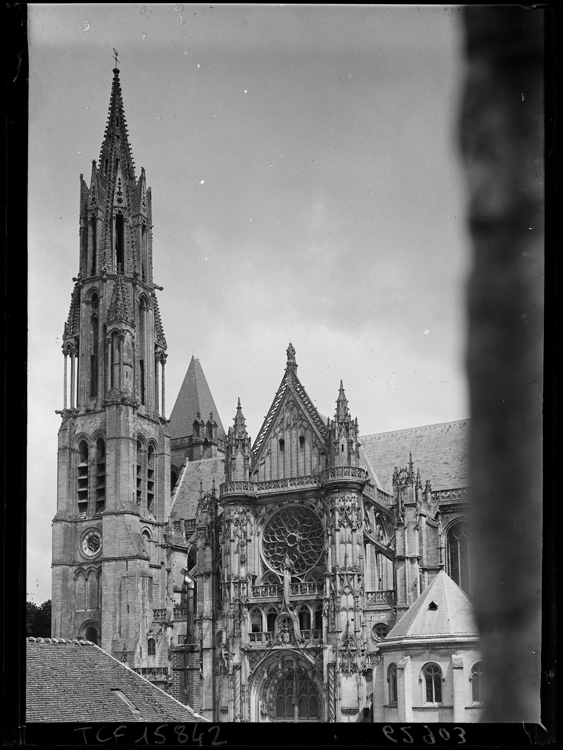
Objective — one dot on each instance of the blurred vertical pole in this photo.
(501, 136)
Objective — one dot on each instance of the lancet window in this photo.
(458, 555)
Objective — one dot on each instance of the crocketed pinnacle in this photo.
(120, 308)
(239, 428)
(72, 325)
(342, 412)
(158, 329)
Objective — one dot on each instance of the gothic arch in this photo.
(90, 630)
(458, 552)
(289, 677)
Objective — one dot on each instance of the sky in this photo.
(306, 187)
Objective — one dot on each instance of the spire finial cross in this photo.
(115, 53)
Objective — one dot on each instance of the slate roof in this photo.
(440, 451)
(186, 493)
(451, 617)
(77, 681)
(194, 396)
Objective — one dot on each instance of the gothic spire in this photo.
(116, 150)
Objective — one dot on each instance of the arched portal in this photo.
(287, 688)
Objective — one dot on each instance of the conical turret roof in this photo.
(195, 396)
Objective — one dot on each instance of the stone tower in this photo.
(113, 446)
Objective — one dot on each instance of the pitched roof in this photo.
(195, 396)
(440, 451)
(77, 681)
(196, 474)
(441, 611)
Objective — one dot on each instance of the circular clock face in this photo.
(91, 543)
(293, 537)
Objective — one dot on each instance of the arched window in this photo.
(119, 243)
(281, 444)
(271, 616)
(94, 236)
(319, 617)
(92, 634)
(297, 697)
(477, 682)
(114, 360)
(142, 343)
(82, 477)
(151, 646)
(94, 354)
(100, 475)
(304, 619)
(150, 479)
(432, 678)
(143, 252)
(92, 590)
(80, 593)
(458, 555)
(139, 473)
(256, 621)
(392, 680)
(99, 589)
(302, 442)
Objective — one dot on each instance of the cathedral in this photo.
(312, 574)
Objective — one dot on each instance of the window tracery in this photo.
(293, 536)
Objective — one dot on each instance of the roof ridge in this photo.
(76, 641)
(419, 427)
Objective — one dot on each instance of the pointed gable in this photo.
(443, 610)
(195, 396)
(294, 427)
(120, 307)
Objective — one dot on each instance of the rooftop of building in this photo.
(440, 451)
(442, 610)
(75, 680)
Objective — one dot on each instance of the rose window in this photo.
(293, 537)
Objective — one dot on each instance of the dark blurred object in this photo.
(502, 139)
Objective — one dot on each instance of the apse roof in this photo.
(78, 681)
(440, 451)
(194, 396)
(442, 609)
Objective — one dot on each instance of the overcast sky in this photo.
(306, 186)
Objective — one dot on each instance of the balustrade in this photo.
(263, 637)
(292, 483)
(275, 590)
(159, 614)
(180, 613)
(458, 495)
(380, 597)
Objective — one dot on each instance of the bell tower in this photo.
(114, 448)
